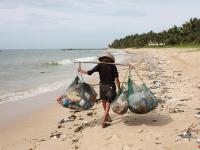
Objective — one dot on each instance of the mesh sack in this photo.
(81, 95)
(88, 94)
(120, 104)
(140, 98)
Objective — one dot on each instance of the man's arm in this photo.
(90, 72)
(117, 83)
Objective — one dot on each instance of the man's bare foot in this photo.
(108, 119)
(104, 125)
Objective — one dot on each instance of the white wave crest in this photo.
(69, 61)
(60, 62)
(121, 57)
(92, 58)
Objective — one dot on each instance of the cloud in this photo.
(68, 13)
(26, 21)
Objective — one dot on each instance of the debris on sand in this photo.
(69, 119)
(127, 147)
(90, 114)
(82, 126)
(79, 128)
(197, 114)
(154, 120)
(74, 111)
(190, 133)
(61, 126)
(175, 110)
(198, 140)
(75, 140)
(198, 85)
(61, 121)
(56, 135)
(158, 142)
(81, 118)
(140, 131)
(186, 134)
(72, 117)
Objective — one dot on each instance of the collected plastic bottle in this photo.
(66, 102)
(82, 102)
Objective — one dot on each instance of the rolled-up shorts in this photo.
(108, 92)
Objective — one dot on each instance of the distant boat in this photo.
(69, 49)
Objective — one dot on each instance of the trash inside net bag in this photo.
(140, 98)
(79, 96)
(120, 104)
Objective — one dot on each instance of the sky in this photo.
(42, 24)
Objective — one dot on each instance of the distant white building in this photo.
(155, 43)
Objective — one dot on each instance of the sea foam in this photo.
(60, 62)
(70, 61)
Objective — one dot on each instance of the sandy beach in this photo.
(172, 75)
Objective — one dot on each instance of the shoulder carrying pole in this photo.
(130, 66)
(94, 62)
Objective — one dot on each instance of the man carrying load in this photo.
(108, 78)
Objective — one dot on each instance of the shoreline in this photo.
(172, 75)
(11, 111)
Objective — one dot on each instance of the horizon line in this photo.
(1, 49)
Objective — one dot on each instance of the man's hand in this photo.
(79, 69)
(82, 71)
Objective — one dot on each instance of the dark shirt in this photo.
(107, 73)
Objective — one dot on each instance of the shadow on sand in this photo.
(150, 119)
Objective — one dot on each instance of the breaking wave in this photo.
(60, 62)
(70, 61)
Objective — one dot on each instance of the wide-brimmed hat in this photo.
(107, 55)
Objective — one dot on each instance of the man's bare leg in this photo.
(104, 107)
(106, 115)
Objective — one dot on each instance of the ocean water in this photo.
(26, 73)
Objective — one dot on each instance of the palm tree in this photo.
(189, 32)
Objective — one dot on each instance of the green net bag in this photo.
(140, 98)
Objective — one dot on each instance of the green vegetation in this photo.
(188, 35)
